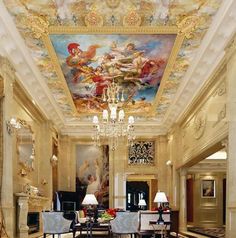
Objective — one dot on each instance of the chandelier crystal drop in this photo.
(113, 124)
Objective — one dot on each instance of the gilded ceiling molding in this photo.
(188, 25)
(132, 19)
(113, 3)
(93, 19)
(38, 25)
(169, 67)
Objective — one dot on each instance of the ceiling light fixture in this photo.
(113, 123)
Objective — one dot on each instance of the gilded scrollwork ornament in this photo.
(93, 19)
(142, 153)
(37, 24)
(188, 25)
(132, 19)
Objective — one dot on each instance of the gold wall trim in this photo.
(113, 30)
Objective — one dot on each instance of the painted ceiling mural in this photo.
(78, 65)
(91, 62)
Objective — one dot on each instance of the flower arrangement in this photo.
(110, 213)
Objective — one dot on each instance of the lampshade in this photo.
(160, 197)
(142, 202)
(90, 199)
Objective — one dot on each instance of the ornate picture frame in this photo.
(142, 152)
(208, 188)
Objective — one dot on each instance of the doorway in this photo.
(136, 190)
(207, 209)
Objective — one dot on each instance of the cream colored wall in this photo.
(16, 104)
(200, 130)
(118, 167)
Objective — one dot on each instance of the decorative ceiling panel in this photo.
(52, 31)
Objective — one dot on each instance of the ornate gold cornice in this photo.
(22, 98)
(38, 25)
(187, 25)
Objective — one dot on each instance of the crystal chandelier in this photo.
(113, 123)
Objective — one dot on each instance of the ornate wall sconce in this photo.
(14, 124)
(169, 163)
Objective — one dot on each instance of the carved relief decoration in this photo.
(221, 115)
(199, 124)
(93, 19)
(132, 19)
(142, 153)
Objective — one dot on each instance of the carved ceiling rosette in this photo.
(93, 19)
(132, 19)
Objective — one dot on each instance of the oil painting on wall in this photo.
(92, 172)
(208, 188)
(91, 62)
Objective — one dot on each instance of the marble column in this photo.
(183, 201)
(8, 74)
(231, 113)
(22, 214)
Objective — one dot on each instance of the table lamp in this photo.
(142, 203)
(160, 198)
(89, 200)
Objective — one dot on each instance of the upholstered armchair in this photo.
(55, 223)
(125, 223)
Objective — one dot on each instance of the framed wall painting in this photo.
(92, 172)
(142, 153)
(208, 188)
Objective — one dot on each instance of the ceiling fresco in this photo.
(81, 46)
(91, 62)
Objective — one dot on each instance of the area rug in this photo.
(210, 232)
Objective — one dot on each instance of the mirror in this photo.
(26, 146)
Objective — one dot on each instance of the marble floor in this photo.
(127, 236)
